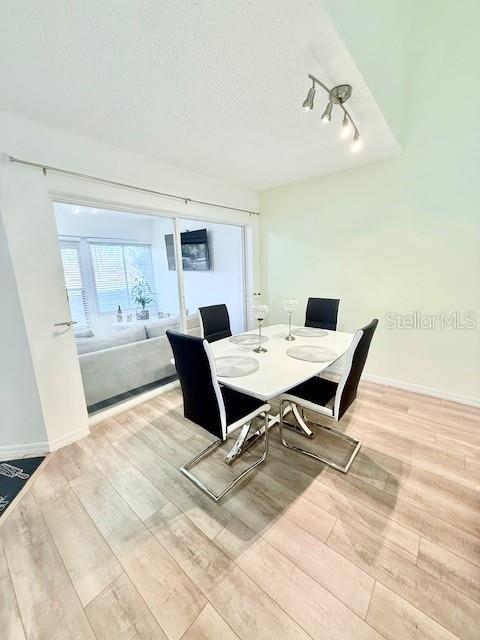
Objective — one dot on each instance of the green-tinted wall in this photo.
(401, 235)
(379, 34)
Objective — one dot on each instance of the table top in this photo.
(278, 372)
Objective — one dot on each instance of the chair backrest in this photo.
(356, 358)
(202, 399)
(322, 313)
(215, 322)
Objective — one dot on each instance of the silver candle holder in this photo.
(260, 312)
(290, 305)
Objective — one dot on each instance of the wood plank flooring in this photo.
(111, 541)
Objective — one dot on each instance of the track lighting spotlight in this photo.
(336, 96)
(357, 143)
(346, 126)
(308, 102)
(327, 114)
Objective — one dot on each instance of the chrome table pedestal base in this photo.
(239, 447)
(356, 444)
(248, 438)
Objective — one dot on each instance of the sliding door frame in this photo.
(176, 217)
(180, 275)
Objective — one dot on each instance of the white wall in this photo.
(400, 235)
(21, 418)
(223, 284)
(31, 236)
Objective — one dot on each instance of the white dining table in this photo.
(277, 371)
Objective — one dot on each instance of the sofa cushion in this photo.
(110, 372)
(135, 334)
(193, 321)
(159, 327)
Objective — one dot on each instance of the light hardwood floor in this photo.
(112, 542)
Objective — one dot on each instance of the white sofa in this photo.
(127, 358)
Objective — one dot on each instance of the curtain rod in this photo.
(132, 187)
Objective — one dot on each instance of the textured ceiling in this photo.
(213, 86)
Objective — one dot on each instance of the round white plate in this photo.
(247, 339)
(309, 332)
(312, 353)
(235, 366)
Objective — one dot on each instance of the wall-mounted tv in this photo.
(195, 254)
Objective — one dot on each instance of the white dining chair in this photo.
(217, 409)
(328, 398)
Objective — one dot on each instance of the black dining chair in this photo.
(217, 409)
(215, 322)
(329, 398)
(322, 313)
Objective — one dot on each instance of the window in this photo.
(74, 283)
(116, 268)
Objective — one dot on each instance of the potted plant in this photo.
(142, 295)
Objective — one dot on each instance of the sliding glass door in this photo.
(124, 283)
(122, 299)
(213, 268)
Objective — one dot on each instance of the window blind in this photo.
(74, 283)
(116, 268)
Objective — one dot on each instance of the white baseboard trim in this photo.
(68, 438)
(42, 448)
(424, 391)
(20, 450)
(334, 371)
(111, 412)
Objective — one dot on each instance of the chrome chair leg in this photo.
(356, 444)
(185, 469)
(301, 426)
(239, 445)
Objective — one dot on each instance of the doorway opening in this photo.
(126, 286)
